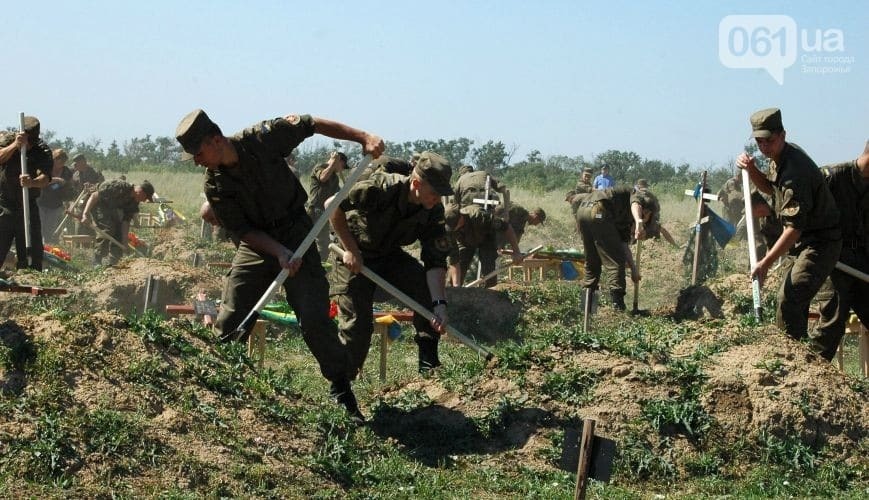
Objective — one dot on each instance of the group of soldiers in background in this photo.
(53, 191)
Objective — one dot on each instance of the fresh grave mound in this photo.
(696, 302)
(483, 313)
(122, 288)
(779, 386)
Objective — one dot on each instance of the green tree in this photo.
(491, 156)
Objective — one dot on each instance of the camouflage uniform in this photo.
(605, 221)
(261, 194)
(479, 233)
(86, 176)
(320, 192)
(473, 185)
(39, 162)
(803, 201)
(731, 197)
(852, 198)
(115, 208)
(382, 221)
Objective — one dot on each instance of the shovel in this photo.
(637, 311)
(415, 306)
(246, 326)
(25, 201)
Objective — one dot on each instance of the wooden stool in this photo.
(147, 219)
(531, 266)
(382, 329)
(78, 240)
(256, 343)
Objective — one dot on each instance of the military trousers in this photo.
(12, 228)
(307, 293)
(603, 247)
(846, 293)
(487, 253)
(114, 227)
(354, 294)
(803, 277)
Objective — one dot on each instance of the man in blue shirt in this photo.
(604, 180)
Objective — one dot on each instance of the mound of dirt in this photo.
(122, 288)
(486, 314)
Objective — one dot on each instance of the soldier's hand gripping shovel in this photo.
(415, 306)
(636, 310)
(246, 326)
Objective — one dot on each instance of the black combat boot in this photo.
(428, 354)
(342, 393)
(618, 300)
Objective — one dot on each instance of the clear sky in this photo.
(563, 77)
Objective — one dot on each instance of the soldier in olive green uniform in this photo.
(12, 180)
(849, 183)
(472, 185)
(325, 179)
(730, 195)
(808, 213)
(607, 219)
(473, 227)
(111, 207)
(519, 218)
(379, 216)
(583, 186)
(262, 205)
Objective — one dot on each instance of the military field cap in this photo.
(193, 129)
(79, 157)
(148, 188)
(766, 122)
(435, 169)
(59, 154)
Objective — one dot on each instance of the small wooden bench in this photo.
(78, 240)
(532, 266)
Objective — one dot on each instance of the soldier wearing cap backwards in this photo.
(472, 227)
(12, 180)
(111, 207)
(849, 184)
(381, 215)
(806, 209)
(262, 205)
(325, 183)
(607, 219)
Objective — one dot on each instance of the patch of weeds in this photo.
(410, 400)
(225, 376)
(154, 329)
(120, 439)
(774, 366)
(789, 452)
(497, 419)
(520, 356)
(50, 453)
(677, 416)
(573, 386)
(337, 456)
(860, 385)
(709, 463)
(638, 460)
(151, 371)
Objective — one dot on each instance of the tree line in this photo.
(535, 172)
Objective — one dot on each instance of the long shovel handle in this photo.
(587, 310)
(106, 235)
(25, 200)
(637, 283)
(66, 214)
(499, 269)
(415, 306)
(856, 273)
(752, 251)
(246, 326)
